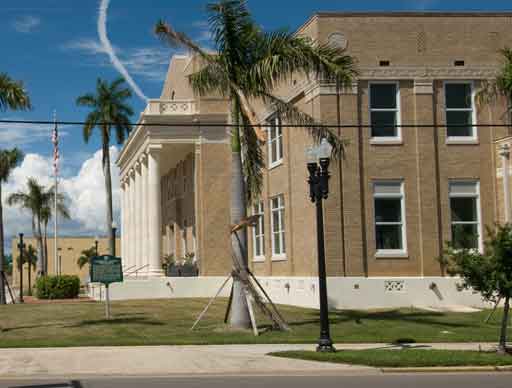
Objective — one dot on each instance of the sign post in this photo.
(106, 269)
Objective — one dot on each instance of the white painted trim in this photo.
(398, 111)
(478, 207)
(281, 205)
(279, 142)
(473, 139)
(391, 253)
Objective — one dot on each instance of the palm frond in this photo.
(13, 94)
(291, 114)
(9, 159)
(211, 79)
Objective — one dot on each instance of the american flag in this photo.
(55, 141)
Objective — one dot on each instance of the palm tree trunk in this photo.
(40, 248)
(240, 318)
(2, 252)
(45, 246)
(502, 347)
(29, 277)
(108, 193)
(39, 264)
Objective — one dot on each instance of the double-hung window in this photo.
(385, 111)
(258, 233)
(278, 227)
(460, 111)
(465, 214)
(275, 142)
(390, 237)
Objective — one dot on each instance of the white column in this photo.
(505, 156)
(154, 212)
(123, 220)
(145, 218)
(132, 220)
(138, 217)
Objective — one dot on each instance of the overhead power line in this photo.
(206, 124)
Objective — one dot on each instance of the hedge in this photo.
(58, 287)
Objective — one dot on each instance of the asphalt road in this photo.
(467, 380)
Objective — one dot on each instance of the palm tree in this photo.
(247, 65)
(9, 159)
(501, 86)
(47, 214)
(109, 109)
(34, 199)
(85, 257)
(12, 94)
(30, 258)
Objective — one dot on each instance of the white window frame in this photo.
(474, 135)
(392, 253)
(278, 256)
(398, 112)
(258, 231)
(275, 120)
(475, 195)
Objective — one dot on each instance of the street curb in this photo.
(448, 369)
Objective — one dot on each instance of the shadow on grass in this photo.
(397, 315)
(117, 321)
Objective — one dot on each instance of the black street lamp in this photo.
(114, 231)
(96, 245)
(318, 164)
(21, 247)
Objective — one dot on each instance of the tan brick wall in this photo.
(70, 249)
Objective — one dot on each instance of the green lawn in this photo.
(168, 321)
(404, 358)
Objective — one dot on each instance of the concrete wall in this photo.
(344, 293)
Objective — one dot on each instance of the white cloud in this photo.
(25, 133)
(102, 34)
(89, 46)
(26, 24)
(150, 63)
(85, 193)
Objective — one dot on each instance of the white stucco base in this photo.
(344, 293)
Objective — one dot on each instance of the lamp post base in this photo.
(325, 346)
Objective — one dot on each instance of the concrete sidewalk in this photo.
(181, 360)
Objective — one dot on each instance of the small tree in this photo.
(489, 273)
(86, 256)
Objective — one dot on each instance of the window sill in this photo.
(271, 166)
(258, 259)
(279, 258)
(462, 141)
(391, 255)
(386, 141)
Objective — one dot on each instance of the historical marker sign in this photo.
(106, 269)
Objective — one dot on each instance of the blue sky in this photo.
(53, 46)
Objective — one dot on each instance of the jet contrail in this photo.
(105, 42)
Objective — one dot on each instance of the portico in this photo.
(175, 188)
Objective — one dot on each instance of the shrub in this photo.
(58, 287)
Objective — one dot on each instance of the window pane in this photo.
(383, 96)
(388, 210)
(463, 209)
(273, 150)
(258, 247)
(280, 147)
(277, 243)
(275, 221)
(459, 118)
(389, 237)
(465, 236)
(275, 202)
(458, 96)
(383, 124)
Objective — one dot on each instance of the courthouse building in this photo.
(395, 198)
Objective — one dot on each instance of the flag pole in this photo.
(55, 139)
